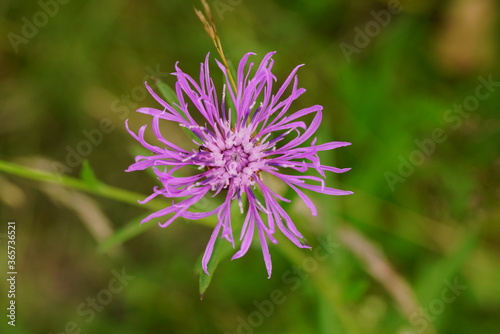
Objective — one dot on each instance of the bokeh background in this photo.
(414, 250)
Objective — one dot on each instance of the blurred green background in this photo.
(415, 249)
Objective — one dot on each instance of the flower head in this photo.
(246, 133)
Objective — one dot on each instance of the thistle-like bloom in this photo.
(245, 133)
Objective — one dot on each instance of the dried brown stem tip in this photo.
(209, 25)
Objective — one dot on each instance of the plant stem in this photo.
(209, 25)
(99, 188)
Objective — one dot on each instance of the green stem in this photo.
(70, 182)
(99, 188)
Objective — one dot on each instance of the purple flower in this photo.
(240, 140)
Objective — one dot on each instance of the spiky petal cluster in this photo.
(241, 138)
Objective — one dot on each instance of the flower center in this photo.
(235, 159)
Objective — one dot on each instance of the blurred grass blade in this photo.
(87, 175)
(433, 278)
(222, 249)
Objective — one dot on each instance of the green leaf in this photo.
(222, 249)
(167, 92)
(171, 97)
(88, 176)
